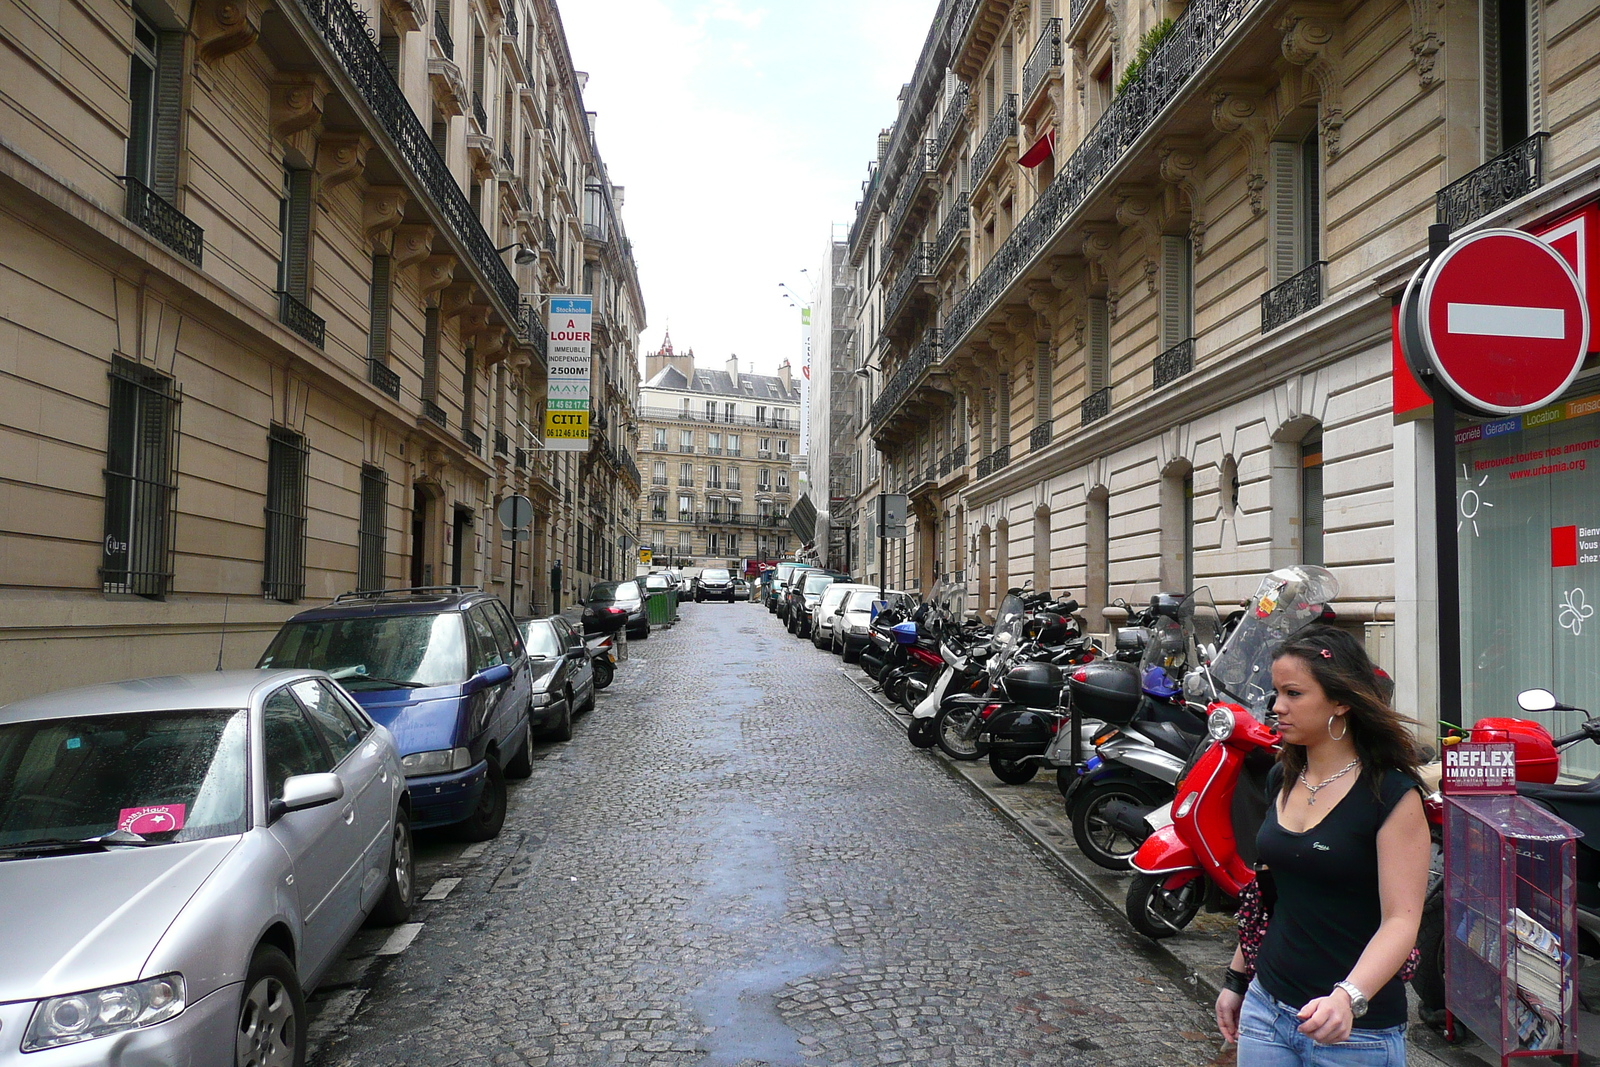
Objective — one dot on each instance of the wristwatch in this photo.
(1358, 999)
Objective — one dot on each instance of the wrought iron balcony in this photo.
(953, 226)
(479, 113)
(511, 20)
(1174, 363)
(1045, 57)
(960, 22)
(958, 456)
(1166, 75)
(1292, 298)
(1002, 127)
(985, 466)
(149, 211)
(1075, 10)
(661, 480)
(1040, 437)
(532, 327)
(631, 470)
(944, 464)
(918, 265)
(864, 210)
(300, 318)
(502, 443)
(1514, 173)
(441, 33)
(473, 441)
(435, 414)
(507, 160)
(521, 460)
(345, 31)
(922, 164)
(1094, 407)
(949, 134)
(923, 356)
(994, 461)
(379, 374)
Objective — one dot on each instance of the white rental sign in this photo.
(566, 419)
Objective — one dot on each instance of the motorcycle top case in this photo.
(1537, 758)
(1108, 691)
(905, 633)
(1037, 685)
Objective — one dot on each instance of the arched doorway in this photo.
(1041, 548)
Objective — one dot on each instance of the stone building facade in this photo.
(719, 454)
(1127, 273)
(271, 316)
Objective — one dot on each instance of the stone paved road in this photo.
(738, 862)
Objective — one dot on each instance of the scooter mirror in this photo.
(1537, 700)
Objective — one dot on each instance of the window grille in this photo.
(284, 576)
(373, 529)
(141, 481)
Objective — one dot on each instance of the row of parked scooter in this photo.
(1161, 736)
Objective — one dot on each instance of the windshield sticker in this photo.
(74, 742)
(151, 819)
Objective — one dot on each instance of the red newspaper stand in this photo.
(1511, 922)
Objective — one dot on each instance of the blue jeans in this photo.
(1269, 1036)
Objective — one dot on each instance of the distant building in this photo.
(718, 453)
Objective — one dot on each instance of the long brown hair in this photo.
(1346, 674)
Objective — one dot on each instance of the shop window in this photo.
(155, 91)
(1295, 177)
(1311, 548)
(284, 576)
(1510, 73)
(373, 527)
(141, 481)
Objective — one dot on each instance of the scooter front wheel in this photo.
(956, 730)
(1156, 911)
(921, 733)
(1105, 843)
(603, 673)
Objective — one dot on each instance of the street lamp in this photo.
(527, 255)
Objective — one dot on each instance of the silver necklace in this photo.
(1312, 789)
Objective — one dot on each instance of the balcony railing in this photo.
(958, 456)
(923, 356)
(1292, 298)
(345, 31)
(1199, 32)
(994, 461)
(658, 480)
(1075, 10)
(511, 20)
(473, 441)
(479, 113)
(960, 22)
(923, 163)
(953, 226)
(955, 111)
(1045, 57)
(1094, 407)
(533, 327)
(1174, 363)
(1040, 437)
(918, 266)
(671, 415)
(441, 33)
(502, 443)
(149, 211)
(435, 414)
(1001, 128)
(507, 160)
(521, 460)
(1512, 174)
(300, 319)
(944, 464)
(385, 379)
(631, 470)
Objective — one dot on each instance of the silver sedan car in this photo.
(182, 858)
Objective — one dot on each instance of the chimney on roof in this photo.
(783, 376)
(733, 370)
(660, 360)
(884, 136)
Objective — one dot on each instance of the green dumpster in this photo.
(661, 607)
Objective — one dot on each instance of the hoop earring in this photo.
(1342, 736)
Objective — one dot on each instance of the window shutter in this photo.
(378, 335)
(1176, 291)
(1008, 81)
(1489, 21)
(430, 354)
(1003, 399)
(297, 235)
(1310, 199)
(1099, 345)
(469, 392)
(441, 138)
(168, 115)
(477, 64)
(987, 422)
(1283, 165)
(1043, 384)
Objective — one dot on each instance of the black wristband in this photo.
(1235, 981)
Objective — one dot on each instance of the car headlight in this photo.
(418, 764)
(858, 628)
(542, 699)
(99, 1012)
(1219, 724)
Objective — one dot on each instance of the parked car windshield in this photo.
(714, 576)
(610, 592)
(835, 596)
(816, 583)
(376, 653)
(861, 600)
(657, 583)
(165, 776)
(542, 638)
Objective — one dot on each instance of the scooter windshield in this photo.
(1177, 644)
(1287, 601)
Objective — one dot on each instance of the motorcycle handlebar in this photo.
(1590, 729)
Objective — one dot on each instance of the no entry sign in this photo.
(1499, 320)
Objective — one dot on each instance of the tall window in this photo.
(764, 447)
(764, 480)
(141, 481)
(1311, 500)
(733, 538)
(658, 507)
(685, 507)
(1296, 222)
(373, 528)
(733, 511)
(683, 542)
(1510, 74)
(661, 438)
(685, 440)
(469, 392)
(380, 306)
(155, 90)
(714, 477)
(658, 472)
(733, 444)
(430, 355)
(729, 412)
(714, 443)
(783, 446)
(761, 414)
(284, 576)
(686, 474)
(733, 478)
(1098, 343)
(1177, 290)
(783, 481)
(711, 410)
(294, 226)
(714, 544)
(1043, 383)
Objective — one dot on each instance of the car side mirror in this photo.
(487, 677)
(306, 791)
(1537, 700)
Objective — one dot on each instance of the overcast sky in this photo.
(741, 130)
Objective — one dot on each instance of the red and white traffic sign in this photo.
(1500, 320)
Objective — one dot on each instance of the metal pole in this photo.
(1446, 551)
(514, 575)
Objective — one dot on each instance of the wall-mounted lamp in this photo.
(527, 255)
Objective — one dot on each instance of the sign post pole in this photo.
(1447, 553)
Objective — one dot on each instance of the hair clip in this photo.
(1326, 654)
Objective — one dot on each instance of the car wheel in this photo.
(272, 1014)
(561, 729)
(521, 765)
(485, 822)
(588, 705)
(394, 907)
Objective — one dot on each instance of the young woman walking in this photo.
(1347, 846)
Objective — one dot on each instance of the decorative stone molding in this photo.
(341, 157)
(1238, 109)
(435, 273)
(454, 297)
(406, 14)
(1425, 39)
(1180, 164)
(1136, 210)
(489, 345)
(1311, 39)
(297, 101)
(1100, 250)
(224, 27)
(413, 243)
(382, 209)
(473, 319)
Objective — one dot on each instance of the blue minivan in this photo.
(446, 672)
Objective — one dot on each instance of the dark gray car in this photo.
(563, 677)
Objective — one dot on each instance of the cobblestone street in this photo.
(738, 861)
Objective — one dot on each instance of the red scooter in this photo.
(1203, 844)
